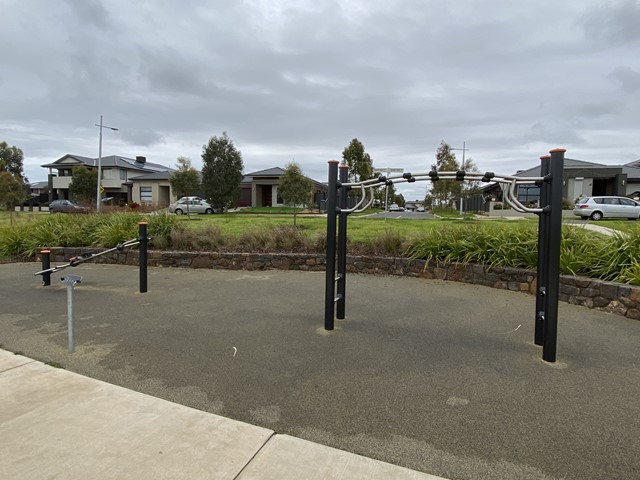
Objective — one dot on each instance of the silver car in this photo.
(190, 205)
(597, 208)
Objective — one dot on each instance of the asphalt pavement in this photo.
(433, 376)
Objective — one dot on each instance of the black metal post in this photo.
(556, 170)
(330, 285)
(45, 255)
(144, 240)
(543, 240)
(342, 243)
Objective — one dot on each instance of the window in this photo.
(146, 194)
(123, 174)
(528, 194)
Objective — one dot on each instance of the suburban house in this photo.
(413, 206)
(587, 179)
(123, 179)
(580, 179)
(260, 189)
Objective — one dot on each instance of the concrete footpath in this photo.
(230, 374)
(58, 424)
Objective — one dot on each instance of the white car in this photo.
(597, 208)
(191, 205)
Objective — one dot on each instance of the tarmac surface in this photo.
(433, 376)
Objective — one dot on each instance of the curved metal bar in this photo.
(506, 195)
(368, 205)
(510, 192)
(512, 199)
(357, 206)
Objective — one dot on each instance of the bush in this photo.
(280, 238)
(81, 231)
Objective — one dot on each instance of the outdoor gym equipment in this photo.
(549, 233)
(142, 240)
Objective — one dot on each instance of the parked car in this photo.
(395, 208)
(66, 206)
(190, 205)
(420, 209)
(597, 208)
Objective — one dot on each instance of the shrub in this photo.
(80, 231)
(389, 242)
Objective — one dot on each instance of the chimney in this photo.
(140, 159)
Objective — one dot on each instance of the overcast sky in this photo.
(298, 79)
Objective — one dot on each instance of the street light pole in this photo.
(464, 150)
(99, 190)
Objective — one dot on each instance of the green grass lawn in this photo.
(496, 242)
(8, 218)
(360, 229)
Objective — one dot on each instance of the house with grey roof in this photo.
(583, 178)
(124, 179)
(580, 178)
(260, 189)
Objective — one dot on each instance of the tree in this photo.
(12, 192)
(359, 162)
(444, 192)
(221, 172)
(84, 184)
(294, 187)
(385, 195)
(185, 180)
(470, 188)
(11, 160)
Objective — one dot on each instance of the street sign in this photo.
(101, 189)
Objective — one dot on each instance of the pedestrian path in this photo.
(58, 424)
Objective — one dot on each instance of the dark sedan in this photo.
(66, 206)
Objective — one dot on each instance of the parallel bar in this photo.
(144, 240)
(342, 242)
(330, 286)
(553, 256)
(543, 240)
(46, 265)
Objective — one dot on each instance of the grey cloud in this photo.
(301, 79)
(616, 22)
(146, 138)
(90, 12)
(627, 78)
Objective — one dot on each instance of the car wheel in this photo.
(208, 211)
(596, 216)
(178, 211)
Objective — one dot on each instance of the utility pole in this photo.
(100, 189)
(464, 150)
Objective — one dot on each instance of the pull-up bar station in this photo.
(549, 233)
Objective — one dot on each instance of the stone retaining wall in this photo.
(620, 299)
